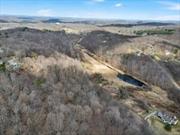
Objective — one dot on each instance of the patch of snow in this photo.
(167, 53)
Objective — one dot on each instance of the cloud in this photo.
(97, 1)
(170, 5)
(45, 12)
(118, 5)
(92, 2)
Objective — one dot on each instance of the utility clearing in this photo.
(94, 65)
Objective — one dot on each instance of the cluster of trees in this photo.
(100, 41)
(153, 32)
(26, 41)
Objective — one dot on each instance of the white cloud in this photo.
(118, 5)
(170, 5)
(97, 0)
(92, 2)
(45, 12)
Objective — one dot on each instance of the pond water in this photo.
(131, 80)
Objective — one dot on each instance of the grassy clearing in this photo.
(162, 128)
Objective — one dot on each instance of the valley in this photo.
(88, 78)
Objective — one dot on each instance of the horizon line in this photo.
(109, 19)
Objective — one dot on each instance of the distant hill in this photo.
(101, 22)
(3, 21)
(140, 24)
(54, 20)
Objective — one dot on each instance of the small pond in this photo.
(131, 80)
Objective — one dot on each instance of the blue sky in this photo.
(103, 9)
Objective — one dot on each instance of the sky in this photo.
(102, 9)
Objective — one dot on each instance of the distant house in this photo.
(167, 118)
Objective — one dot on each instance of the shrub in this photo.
(25, 29)
(2, 67)
(175, 51)
(98, 78)
(126, 56)
(46, 30)
(6, 35)
(34, 55)
(123, 93)
(168, 127)
(39, 82)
